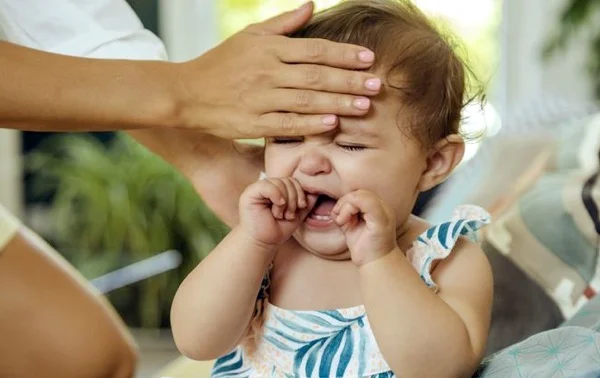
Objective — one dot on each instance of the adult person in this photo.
(257, 83)
(53, 324)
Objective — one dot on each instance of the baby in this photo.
(325, 272)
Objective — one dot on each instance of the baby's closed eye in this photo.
(352, 147)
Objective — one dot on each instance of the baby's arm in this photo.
(213, 306)
(422, 334)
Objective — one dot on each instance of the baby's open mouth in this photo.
(322, 209)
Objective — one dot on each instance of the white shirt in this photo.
(91, 28)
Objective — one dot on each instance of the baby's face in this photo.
(375, 152)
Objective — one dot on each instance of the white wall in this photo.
(527, 24)
(188, 27)
(10, 172)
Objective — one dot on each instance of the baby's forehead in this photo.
(362, 128)
(385, 115)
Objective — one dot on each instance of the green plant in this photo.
(116, 204)
(578, 16)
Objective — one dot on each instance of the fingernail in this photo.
(373, 84)
(329, 120)
(305, 5)
(366, 56)
(361, 103)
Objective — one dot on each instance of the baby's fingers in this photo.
(302, 201)
(371, 207)
(311, 201)
(292, 199)
(346, 213)
(276, 192)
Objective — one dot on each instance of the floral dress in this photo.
(339, 343)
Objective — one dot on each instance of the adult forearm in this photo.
(411, 324)
(49, 92)
(213, 306)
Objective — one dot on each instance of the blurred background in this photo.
(135, 228)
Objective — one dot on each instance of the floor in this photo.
(156, 351)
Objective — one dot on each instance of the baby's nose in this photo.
(314, 163)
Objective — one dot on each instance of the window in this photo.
(236, 14)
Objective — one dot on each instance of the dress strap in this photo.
(438, 241)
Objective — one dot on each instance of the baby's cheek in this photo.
(279, 162)
(272, 168)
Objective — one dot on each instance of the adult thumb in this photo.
(285, 23)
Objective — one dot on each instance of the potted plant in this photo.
(117, 203)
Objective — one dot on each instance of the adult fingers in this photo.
(313, 102)
(291, 124)
(329, 79)
(322, 51)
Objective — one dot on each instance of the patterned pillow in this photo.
(563, 352)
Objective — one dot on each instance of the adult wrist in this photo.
(190, 108)
(166, 104)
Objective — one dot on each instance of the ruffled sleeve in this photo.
(438, 241)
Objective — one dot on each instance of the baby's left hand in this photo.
(369, 225)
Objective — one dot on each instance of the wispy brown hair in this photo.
(418, 60)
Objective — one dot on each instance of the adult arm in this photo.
(281, 86)
(53, 324)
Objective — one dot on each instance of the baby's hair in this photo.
(420, 63)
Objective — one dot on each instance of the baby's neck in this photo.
(301, 280)
(409, 230)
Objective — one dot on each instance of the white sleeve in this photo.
(91, 28)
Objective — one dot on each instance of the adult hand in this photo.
(261, 83)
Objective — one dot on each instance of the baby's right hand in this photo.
(272, 209)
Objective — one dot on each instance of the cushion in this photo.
(563, 352)
(520, 308)
(551, 235)
(551, 230)
(543, 244)
(578, 149)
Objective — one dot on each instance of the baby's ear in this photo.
(445, 155)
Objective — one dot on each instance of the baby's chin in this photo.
(329, 245)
